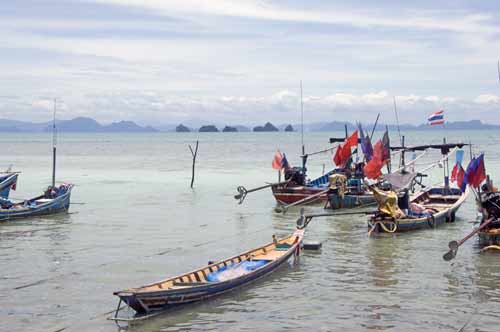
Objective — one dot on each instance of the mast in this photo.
(304, 157)
(446, 170)
(54, 142)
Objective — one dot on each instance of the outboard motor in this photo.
(295, 175)
(404, 201)
(491, 203)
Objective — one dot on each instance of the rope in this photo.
(440, 160)
(411, 162)
(387, 230)
(492, 247)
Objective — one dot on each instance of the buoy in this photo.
(311, 245)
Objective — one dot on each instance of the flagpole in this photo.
(498, 68)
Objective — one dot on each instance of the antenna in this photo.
(54, 142)
(397, 119)
(498, 67)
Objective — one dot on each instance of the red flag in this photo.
(454, 173)
(457, 174)
(337, 159)
(14, 186)
(346, 148)
(372, 168)
(379, 151)
(277, 161)
(460, 176)
(351, 140)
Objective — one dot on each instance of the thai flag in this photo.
(436, 118)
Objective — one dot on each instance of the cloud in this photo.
(413, 19)
(283, 106)
(241, 61)
(487, 99)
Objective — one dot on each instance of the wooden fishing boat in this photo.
(427, 209)
(490, 236)
(54, 200)
(7, 181)
(348, 193)
(211, 280)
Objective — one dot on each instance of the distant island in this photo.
(228, 129)
(266, 128)
(182, 129)
(89, 125)
(208, 129)
(80, 124)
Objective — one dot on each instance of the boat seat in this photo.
(189, 284)
(44, 200)
(447, 197)
(270, 256)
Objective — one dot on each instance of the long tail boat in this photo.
(208, 281)
(428, 209)
(297, 189)
(54, 200)
(489, 236)
(7, 181)
(488, 202)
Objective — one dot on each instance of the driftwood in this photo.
(193, 153)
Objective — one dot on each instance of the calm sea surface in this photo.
(140, 222)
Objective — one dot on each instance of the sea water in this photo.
(135, 220)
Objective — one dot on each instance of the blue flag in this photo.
(366, 144)
(284, 162)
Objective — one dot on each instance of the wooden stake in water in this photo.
(193, 153)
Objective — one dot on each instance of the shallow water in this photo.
(140, 222)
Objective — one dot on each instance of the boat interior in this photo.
(206, 275)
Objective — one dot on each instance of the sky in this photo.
(160, 62)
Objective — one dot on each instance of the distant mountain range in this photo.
(83, 124)
(79, 124)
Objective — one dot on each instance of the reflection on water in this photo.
(141, 222)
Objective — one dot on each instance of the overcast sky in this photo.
(241, 62)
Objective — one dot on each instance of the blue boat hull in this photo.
(37, 207)
(349, 201)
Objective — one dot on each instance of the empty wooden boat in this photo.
(54, 200)
(211, 280)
